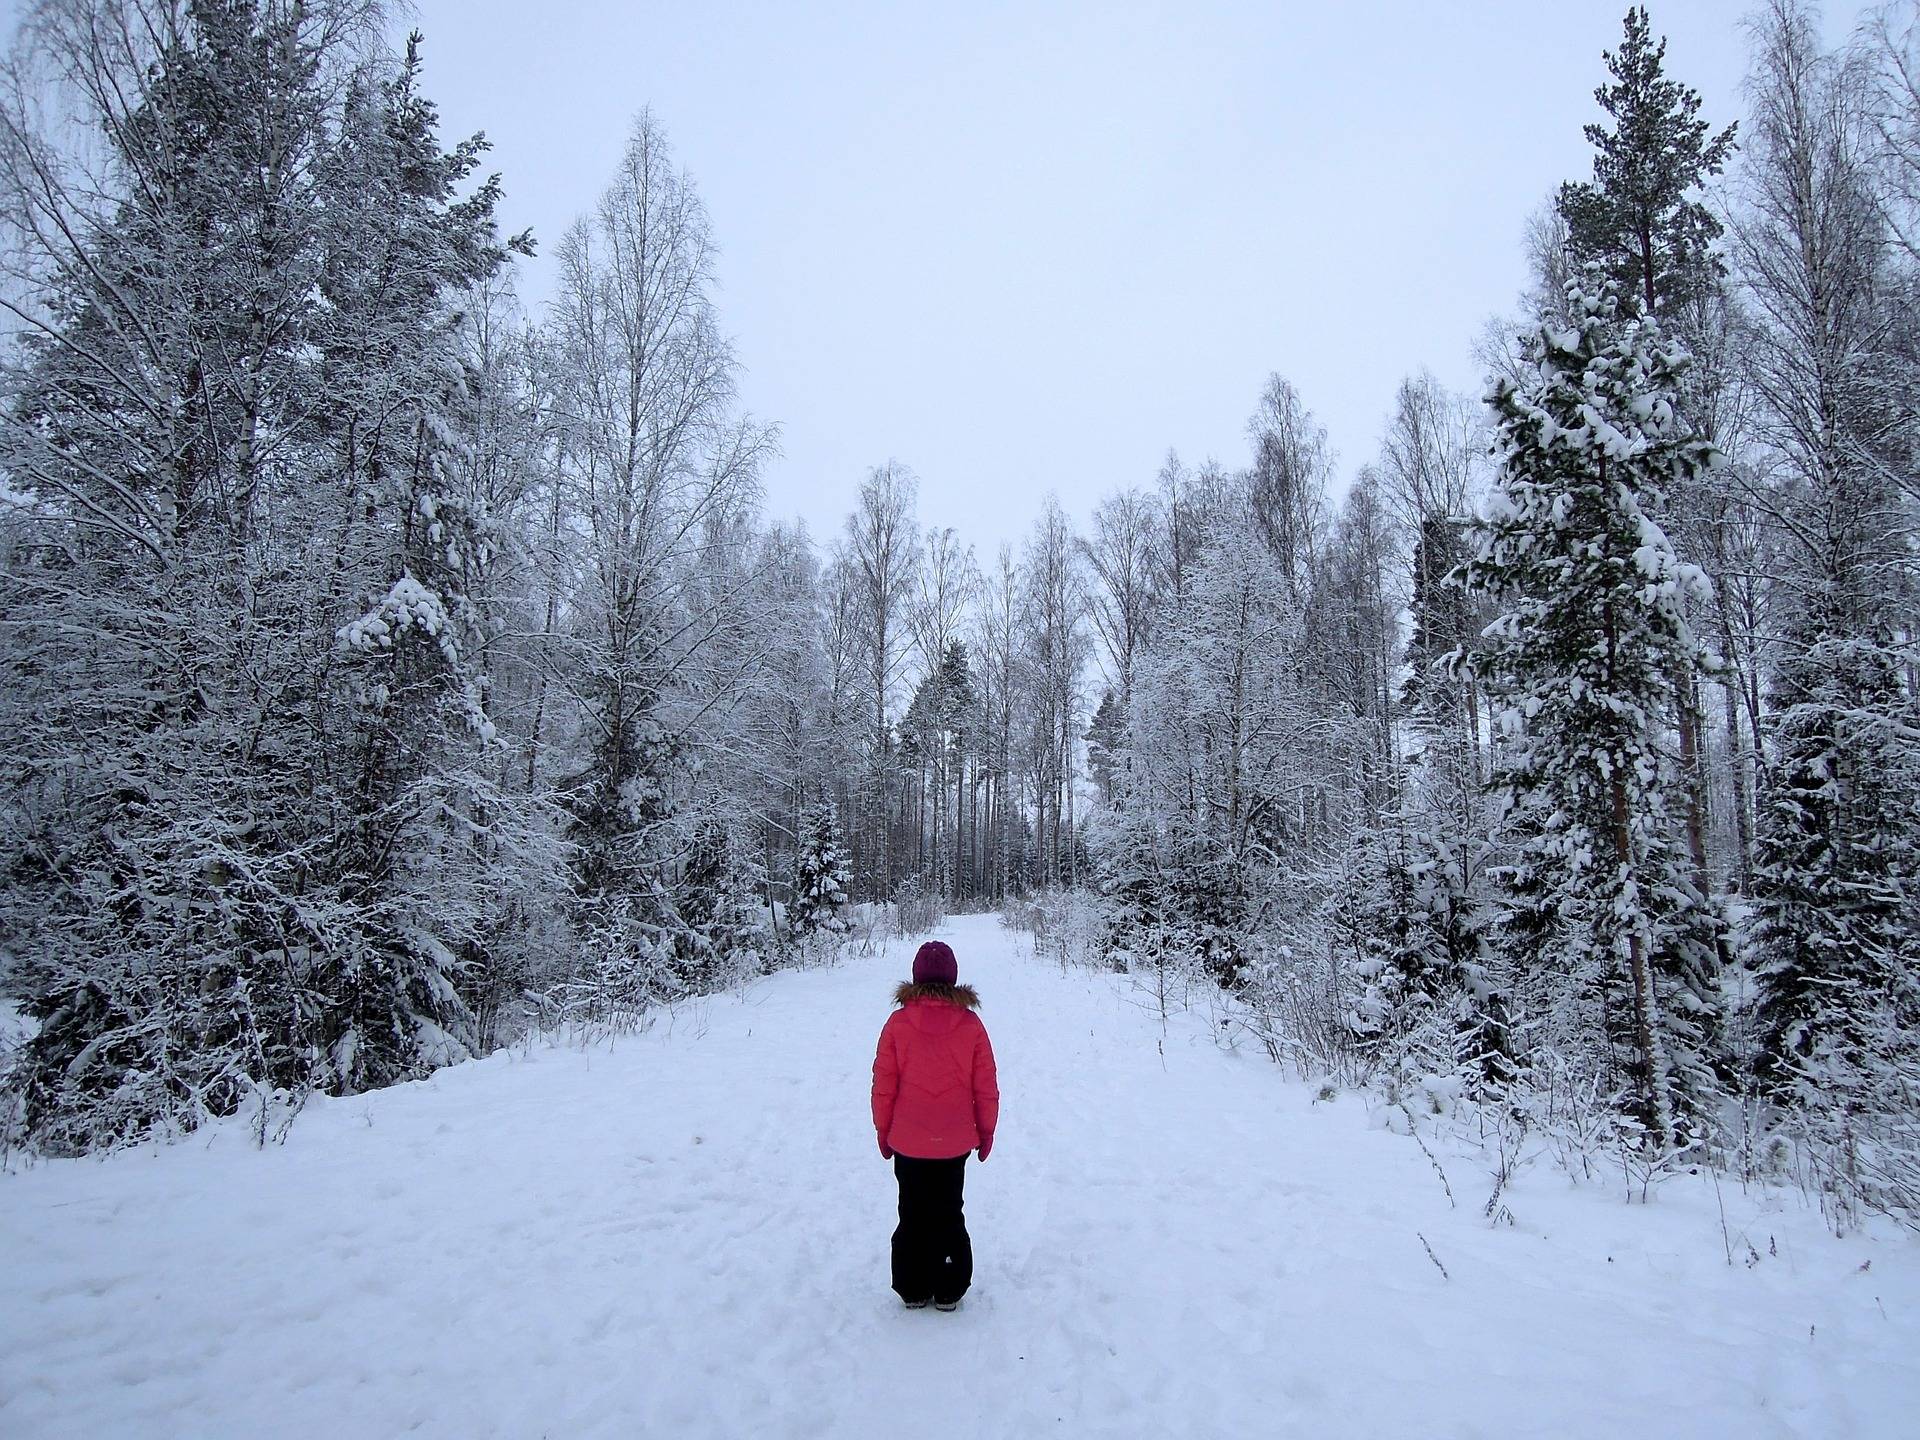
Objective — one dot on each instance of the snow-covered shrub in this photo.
(1018, 912)
(1853, 1133)
(916, 909)
(1068, 926)
(1295, 996)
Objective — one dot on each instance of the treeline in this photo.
(387, 671)
(381, 673)
(1572, 764)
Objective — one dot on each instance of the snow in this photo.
(685, 1234)
(16, 1025)
(408, 605)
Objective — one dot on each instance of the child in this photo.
(935, 1097)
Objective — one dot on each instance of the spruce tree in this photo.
(822, 880)
(176, 904)
(1370, 919)
(402, 247)
(1837, 875)
(1439, 981)
(1592, 629)
(721, 934)
(1642, 220)
(1837, 884)
(1411, 917)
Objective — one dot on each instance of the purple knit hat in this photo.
(933, 964)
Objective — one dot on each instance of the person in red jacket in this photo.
(935, 1097)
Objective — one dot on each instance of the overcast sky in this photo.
(1025, 247)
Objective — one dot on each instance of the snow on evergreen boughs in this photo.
(389, 673)
(1837, 888)
(817, 919)
(1412, 918)
(409, 605)
(285, 860)
(723, 930)
(1579, 663)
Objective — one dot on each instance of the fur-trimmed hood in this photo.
(961, 995)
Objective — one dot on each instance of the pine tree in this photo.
(1643, 221)
(1105, 736)
(1640, 218)
(938, 735)
(1592, 629)
(1440, 614)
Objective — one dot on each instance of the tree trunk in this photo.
(1653, 1089)
(1692, 773)
(1653, 1068)
(1737, 756)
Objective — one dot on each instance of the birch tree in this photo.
(1835, 885)
(654, 459)
(883, 560)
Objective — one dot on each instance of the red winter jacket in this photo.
(935, 1093)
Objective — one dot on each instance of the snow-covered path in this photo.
(686, 1235)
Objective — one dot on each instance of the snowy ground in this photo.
(686, 1236)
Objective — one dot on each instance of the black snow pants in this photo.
(932, 1256)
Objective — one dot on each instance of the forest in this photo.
(390, 670)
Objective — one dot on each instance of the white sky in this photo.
(1023, 247)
